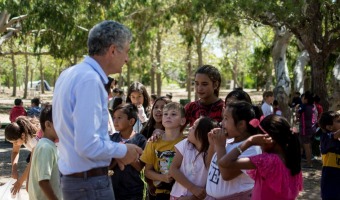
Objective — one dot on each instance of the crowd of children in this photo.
(233, 149)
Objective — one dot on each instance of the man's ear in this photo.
(112, 49)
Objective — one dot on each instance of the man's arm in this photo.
(47, 189)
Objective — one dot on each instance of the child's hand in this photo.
(16, 187)
(167, 178)
(217, 137)
(198, 192)
(141, 114)
(260, 139)
(337, 134)
(157, 133)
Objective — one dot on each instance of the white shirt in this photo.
(80, 118)
(217, 187)
(267, 109)
(193, 169)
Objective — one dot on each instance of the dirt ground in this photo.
(311, 176)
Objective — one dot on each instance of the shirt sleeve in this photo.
(180, 146)
(90, 139)
(45, 156)
(147, 156)
(264, 166)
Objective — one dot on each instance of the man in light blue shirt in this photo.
(81, 115)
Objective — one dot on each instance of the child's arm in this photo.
(182, 179)
(14, 160)
(17, 185)
(153, 175)
(210, 154)
(231, 159)
(47, 189)
(138, 165)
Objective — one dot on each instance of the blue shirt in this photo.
(80, 118)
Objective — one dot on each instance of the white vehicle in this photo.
(36, 85)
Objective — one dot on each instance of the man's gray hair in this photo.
(106, 33)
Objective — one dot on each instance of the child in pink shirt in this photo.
(277, 172)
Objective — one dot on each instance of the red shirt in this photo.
(195, 109)
(15, 112)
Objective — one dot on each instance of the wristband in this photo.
(239, 149)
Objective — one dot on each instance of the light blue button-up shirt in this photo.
(80, 118)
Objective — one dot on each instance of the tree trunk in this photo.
(334, 99)
(199, 50)
(27, 68)
(299, 67)
(319, 75)
(128, 64)
(158, 58)
(282, 89)
(153, 69)
(14, 65)
(189, 69)
(42, 83)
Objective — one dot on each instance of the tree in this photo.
(315, 23)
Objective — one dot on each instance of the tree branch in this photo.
(11, 22)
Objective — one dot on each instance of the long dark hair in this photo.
(279, 130)
(150, 125)
(28, 126)
(204, 126)
(244, 111)
(139, 87)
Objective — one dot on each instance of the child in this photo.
(307, 118)
(127, 184)
(207, 87)
(276, 108)
(158, 155)
(268, 98)
(44, 181)
(155, 121)
(190, 165)
(35, 110)
(21, 132)
(277, 172)
(231, 183)
(138, 96)
(17, 110)
(330, 150)
(237, 95)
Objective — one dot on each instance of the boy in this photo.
(158, 155)
(35, 110)
(330, 150)
(17, 110)
(268, 98)
(44, 180)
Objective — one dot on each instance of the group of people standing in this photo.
(231, 151)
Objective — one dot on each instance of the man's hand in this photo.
(132, 155)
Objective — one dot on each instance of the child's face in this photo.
(172, 118)
(157, 111)
(269, 99)
(336, 124)
(192, 130)
(137, 98)
(17, 142)
(229, 125)
(121, 121)
(204, 87)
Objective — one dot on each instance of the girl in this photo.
(138, 96)
(190, 165)
(155, 121)
(21, 132)
(127, 184)
(277, 172)
(231, 183)
(207, 87)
